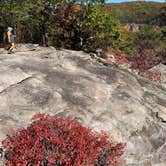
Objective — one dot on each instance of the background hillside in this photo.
(136, 12)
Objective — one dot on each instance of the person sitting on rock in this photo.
(11, 39)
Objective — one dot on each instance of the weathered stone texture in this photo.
(130, 108)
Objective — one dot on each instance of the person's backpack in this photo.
(13, 37)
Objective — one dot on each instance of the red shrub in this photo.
(144, 60)
(119, 55)
(153, 76)
(57, 141)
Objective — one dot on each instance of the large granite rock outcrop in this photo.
(62, 82)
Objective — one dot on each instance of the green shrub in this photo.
(148, 38)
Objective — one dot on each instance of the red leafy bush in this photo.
(51, 140)
(144, 60)
(120, 57)
(153, 76)
(141, 61)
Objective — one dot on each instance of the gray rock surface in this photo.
(62, 82)
(161, 68)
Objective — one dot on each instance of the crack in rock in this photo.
(15, 84)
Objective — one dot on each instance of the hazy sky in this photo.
(133, 0)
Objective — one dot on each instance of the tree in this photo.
(74, 24)
(100, 29)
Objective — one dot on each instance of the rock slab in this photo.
(105, 98)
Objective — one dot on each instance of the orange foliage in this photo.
(76, 8)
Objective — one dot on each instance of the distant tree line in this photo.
(140, 12)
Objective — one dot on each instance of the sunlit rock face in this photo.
(129, 108)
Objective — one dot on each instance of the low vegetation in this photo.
(50, 140)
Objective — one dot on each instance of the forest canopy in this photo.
(77, 24)
(72, 24)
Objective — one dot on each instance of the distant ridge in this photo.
(140, 12)
(128, 1)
